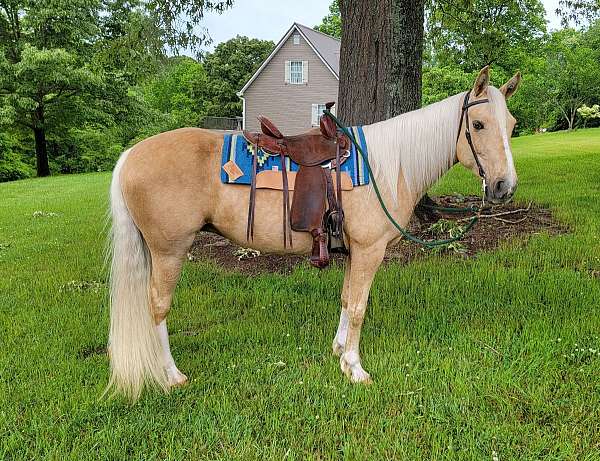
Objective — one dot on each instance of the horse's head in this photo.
(488, 123)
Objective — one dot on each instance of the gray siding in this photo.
(288, 105)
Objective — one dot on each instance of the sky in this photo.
(270, 19)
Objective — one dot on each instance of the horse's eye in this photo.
(478, 125)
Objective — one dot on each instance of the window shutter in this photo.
(287, 71)
(304, 71)
(315, 115)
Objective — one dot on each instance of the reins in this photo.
(405, 233)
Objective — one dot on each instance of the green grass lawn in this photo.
(500, 353)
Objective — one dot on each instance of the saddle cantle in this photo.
(316, 207)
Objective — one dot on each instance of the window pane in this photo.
(296, 71)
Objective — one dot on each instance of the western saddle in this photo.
(316, 208)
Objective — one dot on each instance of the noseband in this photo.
(465, 116)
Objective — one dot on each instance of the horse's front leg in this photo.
(365, 262)
(340, 337)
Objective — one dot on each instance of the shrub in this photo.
(12, 166)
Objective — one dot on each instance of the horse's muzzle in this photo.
(501, 191)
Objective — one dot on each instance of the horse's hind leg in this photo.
(166, 269)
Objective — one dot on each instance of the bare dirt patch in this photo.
(497, 224)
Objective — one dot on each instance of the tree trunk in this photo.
(380, 59)
(41, 152)
(41, 147)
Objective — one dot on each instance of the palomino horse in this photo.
(167, 188)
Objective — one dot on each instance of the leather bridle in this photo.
(465, 116)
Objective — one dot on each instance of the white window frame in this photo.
(300, 72)
(296, 73)
(317, 111)
(296, 39)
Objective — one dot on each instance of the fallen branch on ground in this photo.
(508, 221)
(503, 213)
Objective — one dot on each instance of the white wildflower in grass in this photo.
(81, 286)
(495, 456)
(44, 214)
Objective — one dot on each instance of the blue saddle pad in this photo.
(236, 160)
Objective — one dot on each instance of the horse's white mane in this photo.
(421, 144)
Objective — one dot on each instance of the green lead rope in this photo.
(404, 232)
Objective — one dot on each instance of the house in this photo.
(293, 84)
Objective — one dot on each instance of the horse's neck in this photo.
(418, 147)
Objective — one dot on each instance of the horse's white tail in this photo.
(133, 344)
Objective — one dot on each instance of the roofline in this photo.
(278, 47)
(315, 50)
(319, 32)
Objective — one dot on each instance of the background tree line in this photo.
(80, 80)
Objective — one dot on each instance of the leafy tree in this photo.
(532, 105)
(68, 65)
(578, 11)
(228, 68)
(12, 166)
(172, 93)
(476, 33)
(572, 75)
(36, 88)
(440, 82)
(589, 113)
(332, 23)
(181, 20)
(129, 42)
(39, 67)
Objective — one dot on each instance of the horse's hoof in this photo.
(177, 378)
(353, 370)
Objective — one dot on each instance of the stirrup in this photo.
(335, 230)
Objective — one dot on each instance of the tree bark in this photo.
(380, 59)
(41, 147)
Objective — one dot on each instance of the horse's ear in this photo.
(510, 87)
(482, 81)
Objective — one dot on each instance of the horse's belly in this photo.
(230, 219)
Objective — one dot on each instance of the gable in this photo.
(302, 49)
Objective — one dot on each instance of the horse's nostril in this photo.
(499, 189)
